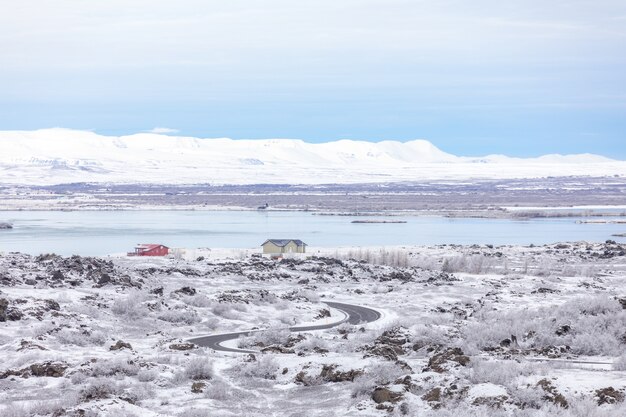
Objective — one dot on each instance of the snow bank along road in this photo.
(354, 315)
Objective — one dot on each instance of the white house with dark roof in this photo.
(277, 246)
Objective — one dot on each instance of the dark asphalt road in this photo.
(355, 315)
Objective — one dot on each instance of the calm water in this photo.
(101, 233)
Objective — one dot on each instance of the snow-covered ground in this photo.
(57, 156)
(466, 330)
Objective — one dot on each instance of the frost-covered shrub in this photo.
(590, 326)
(267, 337)
(198, 300)
(141, 391)
(265, 367)
(376, 375)
(218, 390)
(199, 368)
(497, 372)
(147, 375)
(100, 388)
(38, 408)
(113, 367)
(130, 306)
(313, 342)
(620, 363)
(474, 264)
(396, 257)
(195, 412)
(121, 413)
(225, 310)
(180, 316)
(81, 337)
(385, 373)
(310, 295)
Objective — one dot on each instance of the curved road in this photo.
(354, 315)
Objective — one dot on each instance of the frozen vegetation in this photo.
(465, 331)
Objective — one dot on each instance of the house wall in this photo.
(160, 251)
(269, 247)
(291, 247)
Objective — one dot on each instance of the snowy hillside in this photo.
(54, 156)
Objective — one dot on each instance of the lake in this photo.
(109, 232)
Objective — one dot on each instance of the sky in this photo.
(522, 78)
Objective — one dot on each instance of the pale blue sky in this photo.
(522, 77)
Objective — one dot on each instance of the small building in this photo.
(150, 249)
(276, 246)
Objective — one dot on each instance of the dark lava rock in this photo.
(186, 291)
(434, 395)
(552, 394)
(4, 305)
(563, 330)
(544, 290)
(277, 349)
(121, 345)
(609, 396)
(322, 314)
(198, 387)
(52, 305)
(385, 395)
(9, 313)
(58, 276)
(104, 279)
(157, 291)
(51, 369)
(182, 346)
(452, 356)
(330, 374)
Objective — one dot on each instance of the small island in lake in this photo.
(378, 221)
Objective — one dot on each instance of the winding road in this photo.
(354, 315)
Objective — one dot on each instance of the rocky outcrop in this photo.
(119, 345)
(45, 369)
(182, 346)
(552, 394)
(609, 395)
(443, 361)
(385, 395)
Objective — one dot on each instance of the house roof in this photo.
(284, 242)
(149, 246)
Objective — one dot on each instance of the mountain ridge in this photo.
(60, 155)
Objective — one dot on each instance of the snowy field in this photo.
(465, 331)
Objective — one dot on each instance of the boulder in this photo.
(440, 362)
(609, 396)
(385, 395)
(121, 345)
(182, 346)
(198, 387)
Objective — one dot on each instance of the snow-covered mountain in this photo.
(54, 156)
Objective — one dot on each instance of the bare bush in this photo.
(396, 257)
(265, 367)
(180, 316)
(114, 366)
(131, 306)
(199, 368)
(198, 300)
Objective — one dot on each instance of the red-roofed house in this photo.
(150, 249)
